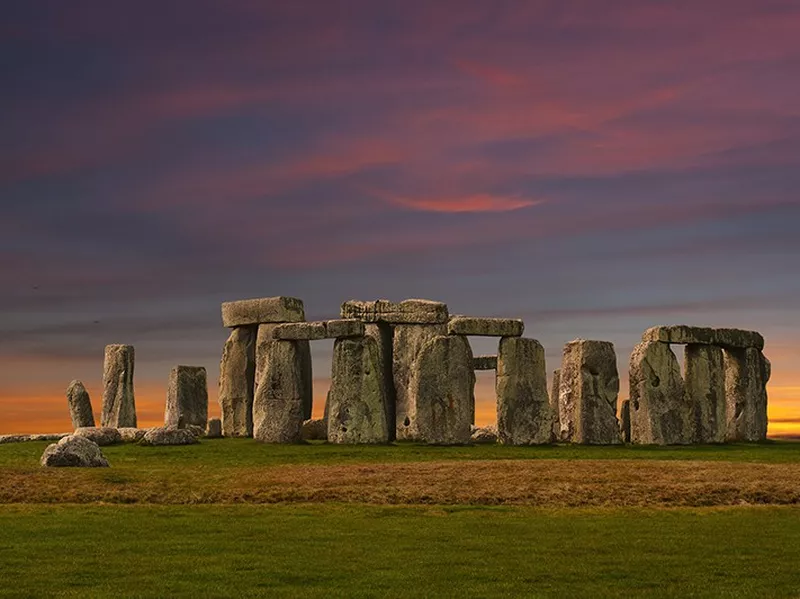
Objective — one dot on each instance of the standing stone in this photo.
(357, 397)
(554, 389)
(266, 337)
(187, 397)
(441, 397)
(278, 404)
(660, 411)
(747, 372)
(588, 390)
(705, 391)
(80, 406)
(409, 340)
(382, 333)
(524, 416)
(625, 420)
(119, 406)
(237, 382)
(214, 429)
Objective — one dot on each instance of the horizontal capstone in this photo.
(485, 327)
(682, 334)
(262, 311)
(324, 329)
(484, 363)
(410, 311)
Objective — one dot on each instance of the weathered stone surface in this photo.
(410, 311)
(119, 405)
(383, 334)
(39, 437)
(80, 406)
(314, 429)
(747, 372)
(237, 371)
(132, 435)
(169, 436)
(260, 311)
(554, 389)
(324, 329)
(214, 428)
(705, 391)
(483, 435)
(14, 439)
(74, 450)
(104, 435)
(625, 420)
(661, 414)
(407, 344)
(588, 390)
(278, 410)
(187, 397)
(266, 337)
(441, 392)
(485, 327)
(484, 363)
(682, 334)
(524, 416)
(357, 397)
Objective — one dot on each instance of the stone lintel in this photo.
(727, 338)
(484, 363)
(410, 311)
(323, 329)
(262, 311)
(485, 327)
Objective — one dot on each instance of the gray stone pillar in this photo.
(265, 337)
(660, 411)
(237, 371)
(119, 405)
(80, 406)
(357, 397)
(705, 391)
(588, 390)
(383, 335)
(278, 404)
(187, 397)
(747, 372)
(524, 416)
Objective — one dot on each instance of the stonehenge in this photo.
(119, 406)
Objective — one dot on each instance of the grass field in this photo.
(235, 518)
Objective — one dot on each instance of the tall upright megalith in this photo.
(237, 371)
(589, 387)
(524, 415)
(278, 412)
(187, 397)
(119, 405)
(747, 372)
(80, 406)
(705, 390)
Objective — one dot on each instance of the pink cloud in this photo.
(482, 202)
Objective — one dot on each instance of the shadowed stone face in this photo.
(80, 406)
(625, 420)
(588, 391)
(237, 382)
(524, 416)
(705, 391)
(661, 414)
(383, 335)
(441, 391)
(187, 397)
(747, 372)
(119, 406)
(278, 405)
(554, 389)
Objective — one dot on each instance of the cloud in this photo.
(483, 202)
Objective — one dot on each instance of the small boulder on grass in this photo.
(169, 436)
(314, 430)
(102, 435)
(74, 451)
(483, 435)
(131, 434)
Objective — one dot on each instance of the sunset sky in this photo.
(594, 167)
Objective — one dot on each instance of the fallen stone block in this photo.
(278, 407)
(727, 338)
(410, 311)
(705, 389)
(314, 430)
(214, 429)
(747, 372)
(104, 435)
(75, 451)
(485, 327)
(14, 438)
(49, 436)
(187, 397)
(262, 311)
(80, 406)
(484, 363)
(169, 436)
(119, 405)
(237, 371)
(132, 435)
(483, 435)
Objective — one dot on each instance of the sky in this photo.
(594, 167)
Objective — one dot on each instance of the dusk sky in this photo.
(593, 167)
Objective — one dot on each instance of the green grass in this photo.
(358, 551)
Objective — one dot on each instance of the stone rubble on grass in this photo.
(103, 435)
(483, 435)
(75, 451)
(169, 436)
(132, 435)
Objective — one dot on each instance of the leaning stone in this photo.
(104, 435)
(264, 340)
(484, 363)
(237, 371)
(588, 390)
(410, 311)
(441, 391)
(214, 429)
(485, 327)
(383, 335)
(524, 416)
(357, 397)
(80, 406)
(682, 334)
(554, 389)
(119, 405)
(131, 435)
(314, 430)
(278, 408)
(169, 436)
(483, 435)
(625, 420)
(407, 344)
(747, 372)
(74, 450)
(660, 411)
(705, 390)
(260, 311)
(187, 397)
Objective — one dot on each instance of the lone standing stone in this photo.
(357, 397)
(237, 382)
(524, 416)
(278, 404)
(660, 411)
(187, 397)
(441, 392)
(119, 406)
(705, 390)
(589, 386)
(747, 372)
(80, 406)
